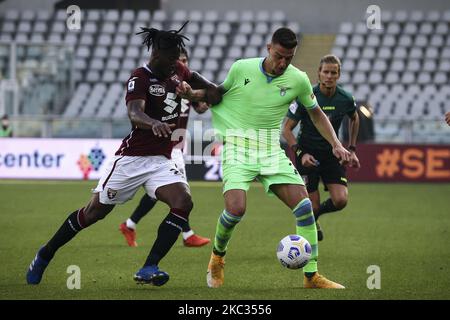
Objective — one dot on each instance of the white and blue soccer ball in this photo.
(294, 251)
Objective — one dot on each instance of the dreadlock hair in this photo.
(285, 37)
(184, 51)
(161, 39)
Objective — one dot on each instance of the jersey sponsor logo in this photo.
(246, 81)
(91, 162)
(172, 116)
(157, 90)
(328, 108)
(283, 90)
(184, 105)
(170, 102)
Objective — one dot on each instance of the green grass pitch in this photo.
(402, 228)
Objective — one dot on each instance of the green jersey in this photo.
(336, 107)
(255, 103)
(5, 132)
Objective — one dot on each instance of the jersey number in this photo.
(170, 102)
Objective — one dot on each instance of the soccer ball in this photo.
(294, 251)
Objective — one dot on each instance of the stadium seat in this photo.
(380, 65)
(231, 16)
(357, 40)
(367, 53)
(219, 40)
(346, 28)
(388, 41)
(111, 15)
(215, 52)
(211, 16)
(86, 39)
(224, 27)
(393, 28)
(129, 16)
(180, 16)
(142, 17)
(250, 52)
(373, 40)
(262, 16)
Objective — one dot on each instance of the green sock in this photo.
(224, 229)
(306, 227)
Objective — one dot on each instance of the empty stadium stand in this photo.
(106, 48)
(402, 71)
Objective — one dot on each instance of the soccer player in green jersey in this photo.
(314, 156)
(256, 95)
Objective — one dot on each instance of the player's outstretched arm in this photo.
(325, 128)
(353, 129)
(212, 95)
(141, 120)
(200, 107)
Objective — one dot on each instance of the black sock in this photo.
(73, 224)
(325, 207)
(168, 232)
(218, 253)
(186, 227)
(145, 205)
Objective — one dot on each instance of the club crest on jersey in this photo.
(157, 90)
(111, 193)
(283, 90)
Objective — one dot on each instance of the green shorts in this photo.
(239, 173)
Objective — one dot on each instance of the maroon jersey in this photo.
(161, 103)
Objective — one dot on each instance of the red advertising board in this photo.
(402, 163)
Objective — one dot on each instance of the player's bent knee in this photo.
(96, 211)
(340, 203)
(316, 208)
(236, 210)
(185, 203)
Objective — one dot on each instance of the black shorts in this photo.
(329, 170)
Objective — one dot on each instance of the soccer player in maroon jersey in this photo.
(144, 158)
(128, 228)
